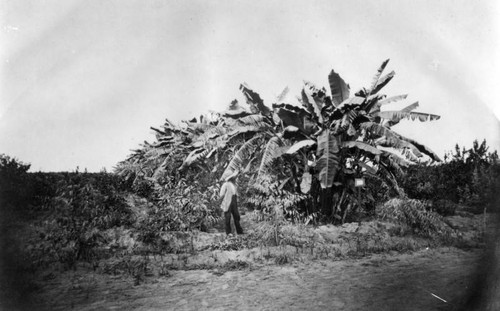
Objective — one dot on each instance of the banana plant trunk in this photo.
(328, 202)
(331, 203)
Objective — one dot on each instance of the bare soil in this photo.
(430, 279)
(357, 266)
(284, 278)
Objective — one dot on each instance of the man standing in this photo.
(230, 204)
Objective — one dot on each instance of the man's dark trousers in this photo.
(233, 210)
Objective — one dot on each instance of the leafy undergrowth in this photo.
(268, 244)
(118, 247)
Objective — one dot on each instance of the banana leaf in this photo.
(362, 146)
(396, 116)
(338, 87)
(193, 157)
(253, 119)
(273, 150)
(243, 154)
(328, 158)
(282, 95)
(315, 105)
(299, 145)
(254, 101)
(392, 99)
(376, 78)
(383, 82)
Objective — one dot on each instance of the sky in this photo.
(81, 82)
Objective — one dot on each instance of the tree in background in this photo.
(468, 177)
(14, 189)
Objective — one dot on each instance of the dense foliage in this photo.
(413, 213)
(182, 207)
(468, 178)
(300, 156)
(67, 211)
(74, 218)
(13, 178)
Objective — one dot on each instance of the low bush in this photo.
(468, 177)
(74, 215)
(413, 213)
(179, 207)
(14, 183)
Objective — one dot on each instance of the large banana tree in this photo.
(338, 138)
(315, 148)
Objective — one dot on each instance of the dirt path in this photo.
(379, 282)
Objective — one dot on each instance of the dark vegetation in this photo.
(70, 211)
(297, 164)
(469, 179)
(53, 220)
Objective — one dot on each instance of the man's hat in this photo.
(232, 176)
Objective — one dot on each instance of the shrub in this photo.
(82, 207)
(274, 230)
(413, 213)
(179, 207)
(467, 177)
(14, 182)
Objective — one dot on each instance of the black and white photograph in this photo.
(249, 155)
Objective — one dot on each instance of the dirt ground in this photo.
(442, 278)
(430, 279)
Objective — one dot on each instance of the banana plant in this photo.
(337, 138)
(320, 145)
(265, 141)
